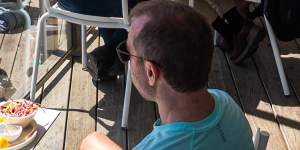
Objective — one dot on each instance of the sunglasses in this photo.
(124, 55)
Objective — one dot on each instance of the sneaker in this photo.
(116, 69)
(246, 42)
(99, 62)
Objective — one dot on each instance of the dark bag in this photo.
(11, 21)
(284, 16)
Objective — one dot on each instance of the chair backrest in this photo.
(123, 19)
(260, 140)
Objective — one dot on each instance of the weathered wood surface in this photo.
(109, 111)
(82, 104)
(141, 118)
(286, 108)
(80, 120)
(8, 52)
(256, 102)
(85, 108)
(56, 95)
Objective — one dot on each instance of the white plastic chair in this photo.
(83, 20)
(274, 44)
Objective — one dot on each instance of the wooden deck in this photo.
(85, 107)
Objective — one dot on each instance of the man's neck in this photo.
(184, 107)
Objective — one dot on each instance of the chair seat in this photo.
(55, 9)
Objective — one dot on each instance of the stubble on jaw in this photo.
(138, 72)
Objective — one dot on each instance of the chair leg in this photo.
(83, 47)
(126, 99)
(280, 69)
(28, 20)
(216, 34)
(44, 44)
(38, 43)
(191, 3)
(256, 138)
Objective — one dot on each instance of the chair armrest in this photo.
(125, 11)
(46, 4)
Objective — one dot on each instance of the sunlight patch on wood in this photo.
(291, 55)
(107, 122)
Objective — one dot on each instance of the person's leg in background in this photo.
(239, 35)
(106, 57)
(102, 61)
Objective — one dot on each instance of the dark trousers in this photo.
(106, 8)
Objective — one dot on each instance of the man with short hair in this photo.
(170, 51)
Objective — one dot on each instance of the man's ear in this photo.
(152, 72)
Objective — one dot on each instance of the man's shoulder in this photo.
(220, 95)
(165, 139)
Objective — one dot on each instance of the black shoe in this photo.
(100, 60)
(246, 42)
(92, 66)
(116, 69)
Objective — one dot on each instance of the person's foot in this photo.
(116, 69)
(246, 42)
(99, 62)
(92, 66)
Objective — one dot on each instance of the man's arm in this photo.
(98, 141)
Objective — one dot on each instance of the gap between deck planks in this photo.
(256, 102)
(81, 115)
(141, 118)
(81, 119)
(109, 110)
(286, 108)
(55, 95)
(15, 47)
(8, 53)
(250, 97)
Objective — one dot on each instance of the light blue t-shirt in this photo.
(226, 128)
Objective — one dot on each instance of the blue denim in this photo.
(107, 8)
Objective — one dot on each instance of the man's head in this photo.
(173, 43)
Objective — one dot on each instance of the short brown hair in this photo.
(179, 39)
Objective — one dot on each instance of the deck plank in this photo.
(287, 108)
(55, 96)
(221, 78)
(21, 73)
(21, 70)
(256, 103)
(1, 39)
(290, 55)
(220, 75)
(8, 52)
(80, 121)
(109, 110)
(141, 118)
(82, 104)
(110, 104)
